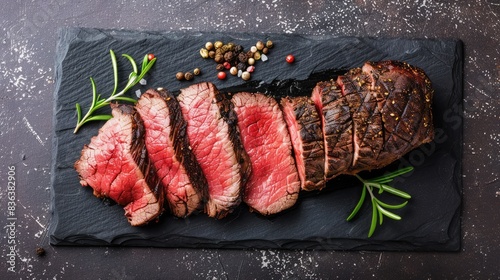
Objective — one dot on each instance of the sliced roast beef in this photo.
(334, 111)
(304, 126)
(116, 165)
(214, 140)
(274, 183)
(184, 183)
(366, 119)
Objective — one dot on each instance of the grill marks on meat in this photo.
(116, 165)
(373, 115)
(306, 134)
(184, 184)
(334, 111)
(211, 135)
(274, 184)
(406, 112)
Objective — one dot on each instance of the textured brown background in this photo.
(27, 46)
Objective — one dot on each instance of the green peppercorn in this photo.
(179, 76)
(269, 44)
(209, 46)
(256, 56)
(218, 44)
(259, 45)
(211, 54)
(230, 46)
(188, 76)
(196, 71)
(204, 53)
(219, 51)
(225, 48)
(219, 58)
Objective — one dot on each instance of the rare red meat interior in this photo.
(166, 141)
(274, 184)
(216, 144)
(116, 165)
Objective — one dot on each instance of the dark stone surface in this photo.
(318, 219)
(27, 49)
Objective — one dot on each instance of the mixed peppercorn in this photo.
(233, 58)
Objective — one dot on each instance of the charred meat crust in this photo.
(304, 126)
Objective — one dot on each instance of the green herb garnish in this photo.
(99, 102)
(379, 208)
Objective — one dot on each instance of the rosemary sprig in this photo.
(99, 102)
(380, 208)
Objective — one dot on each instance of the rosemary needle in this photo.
(99, 102)
(380, 208)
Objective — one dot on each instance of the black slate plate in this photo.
(431, 221)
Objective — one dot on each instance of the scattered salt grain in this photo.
(138, 93)
(263, 57)
(142, 82)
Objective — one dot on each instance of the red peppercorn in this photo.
(221, 75)
(227, 65)
(290, 58)
(151, 56)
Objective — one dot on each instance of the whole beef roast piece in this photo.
(373, 115)
(274, 184)
(116, 165)
(400, 101)
(183, 181)
(306, 134)
(214, 140)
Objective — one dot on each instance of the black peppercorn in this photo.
(238, 48)
(229, 56)
(241, 66)
(188, 76)
(179, 76)
(242, 57)
(40, 251)
(220, 67)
